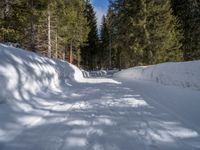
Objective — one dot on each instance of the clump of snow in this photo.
(182, 74)
(86, 74)
(99, 73)
(23, 73)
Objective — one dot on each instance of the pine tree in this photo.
(10, 21)
(164, 37)
(111, 21)
(35, 11)
(104, 51)
(188, 12)
(89, 52)
(117, 29)
(73, 26)
(47, 27)
(145, 32)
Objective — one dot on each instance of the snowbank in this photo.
(99, 73)
(182, 74)
(24, 73)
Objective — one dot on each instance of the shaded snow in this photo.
(47, 105)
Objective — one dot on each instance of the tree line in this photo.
(54, 28)
(133, 32)
(143, 32)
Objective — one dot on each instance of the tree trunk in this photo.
(32, 42)
(79, 57)
(147, 35)
(6, 9)
(119, 59)
(145, 23)
(64, 52)
(5, 17)
(110, 52)
(49, 29)
(56, 42)
(71, 53)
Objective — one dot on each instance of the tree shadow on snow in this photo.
(80, 116)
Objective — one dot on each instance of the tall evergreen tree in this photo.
(145, 32)
(73, 27)
(11, 20)
(163, 37)
(117, 30)
(112, 22)
(188, 13)
(104, 51)
(47, 27)
(89, 52)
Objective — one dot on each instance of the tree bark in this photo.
(145, 23)
(71, 53)
(119, 59)
(6, 9)
(64, 54)
(5, 17)
(56, 42)
(79, 57)
(32, 42)
(110, 52)
(49, 29)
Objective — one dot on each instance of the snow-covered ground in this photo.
(183, 74)
(48, 105)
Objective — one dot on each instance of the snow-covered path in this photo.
(107, 115)
(46, 104)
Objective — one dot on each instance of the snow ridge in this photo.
(20, 70)
(181, 74)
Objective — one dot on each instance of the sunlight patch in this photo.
(134, 102)
(95, 131)
(104, 121)
(170, 132)
(183, 133)
(127, 102)
(160, 135)
(29, 120)
(23, 106)
(81, 105)
(75, 95)
(76, 142)
(2, 133)
(78, 122)
(11, 74)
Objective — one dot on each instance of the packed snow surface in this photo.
(46, 104)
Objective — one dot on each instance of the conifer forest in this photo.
(99, 74)
(132, 33)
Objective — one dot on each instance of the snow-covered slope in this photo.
(23, 73)
(47, 105)
(182, 74)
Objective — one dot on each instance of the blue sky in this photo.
(101, 7)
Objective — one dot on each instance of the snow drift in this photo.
(46, 108)
(24, 73)
(182, 74)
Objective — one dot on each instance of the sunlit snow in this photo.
(47, 104)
